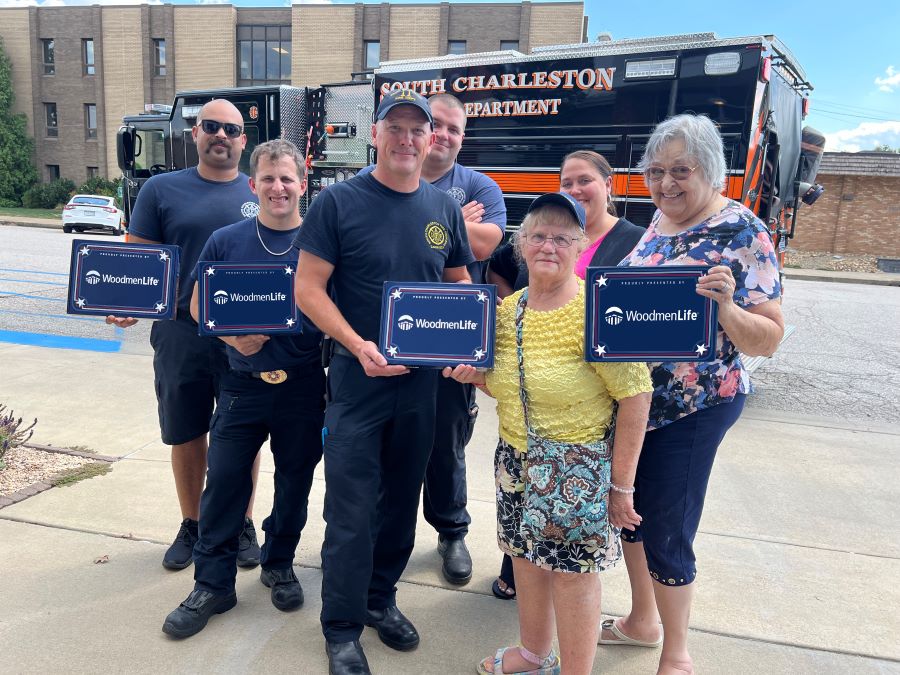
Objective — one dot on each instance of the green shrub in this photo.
(48, 195)
(8, 203)
(97, 186)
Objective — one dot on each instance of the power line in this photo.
(817, 101)
(840, 115)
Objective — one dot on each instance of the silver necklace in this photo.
(268, 250)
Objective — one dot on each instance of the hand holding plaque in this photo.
(651, 313)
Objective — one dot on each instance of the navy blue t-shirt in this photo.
(372, 234)
(240, 242)
(183, 208)
(466, 185)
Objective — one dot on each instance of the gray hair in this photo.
(551, 214)
(275, 150)
(701, 139)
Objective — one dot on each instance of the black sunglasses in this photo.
(212, 127)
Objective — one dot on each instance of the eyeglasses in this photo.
(212, 127)
(559, 241)
(656, 173)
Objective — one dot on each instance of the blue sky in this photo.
(850, 50)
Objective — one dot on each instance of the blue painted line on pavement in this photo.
(55, 274)
(4, 295)
(59, 341)
(32, 281)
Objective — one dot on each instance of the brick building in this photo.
(860, 210)
(78, 70)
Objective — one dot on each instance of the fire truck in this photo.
(526, 112)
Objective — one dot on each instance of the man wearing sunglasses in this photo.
(185, 208)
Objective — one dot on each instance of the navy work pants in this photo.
(379, 432)
(444, 497)
(248, 411)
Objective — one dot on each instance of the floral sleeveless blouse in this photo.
(734, 237)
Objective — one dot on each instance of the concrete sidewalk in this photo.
(798, 552)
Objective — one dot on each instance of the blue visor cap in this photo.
(560, 199)
(403, 97)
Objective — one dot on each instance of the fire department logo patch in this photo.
(458, 194)
(254, 112)
(436, 235)
(249, 209)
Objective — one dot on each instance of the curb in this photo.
(75, 453)
(868, 278)
(46, 225)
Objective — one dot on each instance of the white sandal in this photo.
(622, 639)
(549, 665)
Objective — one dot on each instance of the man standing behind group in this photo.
(379, 420)
(275, 388)
(185, 208)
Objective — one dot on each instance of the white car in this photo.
(93, 212)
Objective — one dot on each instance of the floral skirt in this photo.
(509, 479)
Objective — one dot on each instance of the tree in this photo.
(884, 147)
(17, 173)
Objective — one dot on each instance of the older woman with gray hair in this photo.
(694, 404)
(557, 471)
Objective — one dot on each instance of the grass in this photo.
(32, 213)
(72, 476)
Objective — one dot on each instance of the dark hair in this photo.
(599, 162)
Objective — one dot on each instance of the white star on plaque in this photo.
(80, 302)
(479, 354)
(481, 297)
(84, 251)
(392, 350)
(601, 281)
(288, 270)
(701, 350)
(164, 256)
(210, 324)
(395, 294)
(210, 271)
(290, 323)
(159, 307)
(600, 349)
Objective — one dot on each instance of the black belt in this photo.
(341, 350)
(276, 376)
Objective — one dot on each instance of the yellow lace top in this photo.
(569, 399)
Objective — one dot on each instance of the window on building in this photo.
(373, 54)
(47, 51)
(264, 55)
(52, 120)
(87, 57)
(456, 47)
(159, 57)
(90, 120)
(52, 172)
(509, 44)
(93, 172)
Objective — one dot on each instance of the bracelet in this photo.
(621, 490)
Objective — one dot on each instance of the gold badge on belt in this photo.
(273, 376)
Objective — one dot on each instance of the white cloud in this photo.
(864, 137)
(312, 2)
(889, 83)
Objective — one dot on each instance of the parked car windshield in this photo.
(92, 201)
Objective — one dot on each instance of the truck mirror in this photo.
(127, 148)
